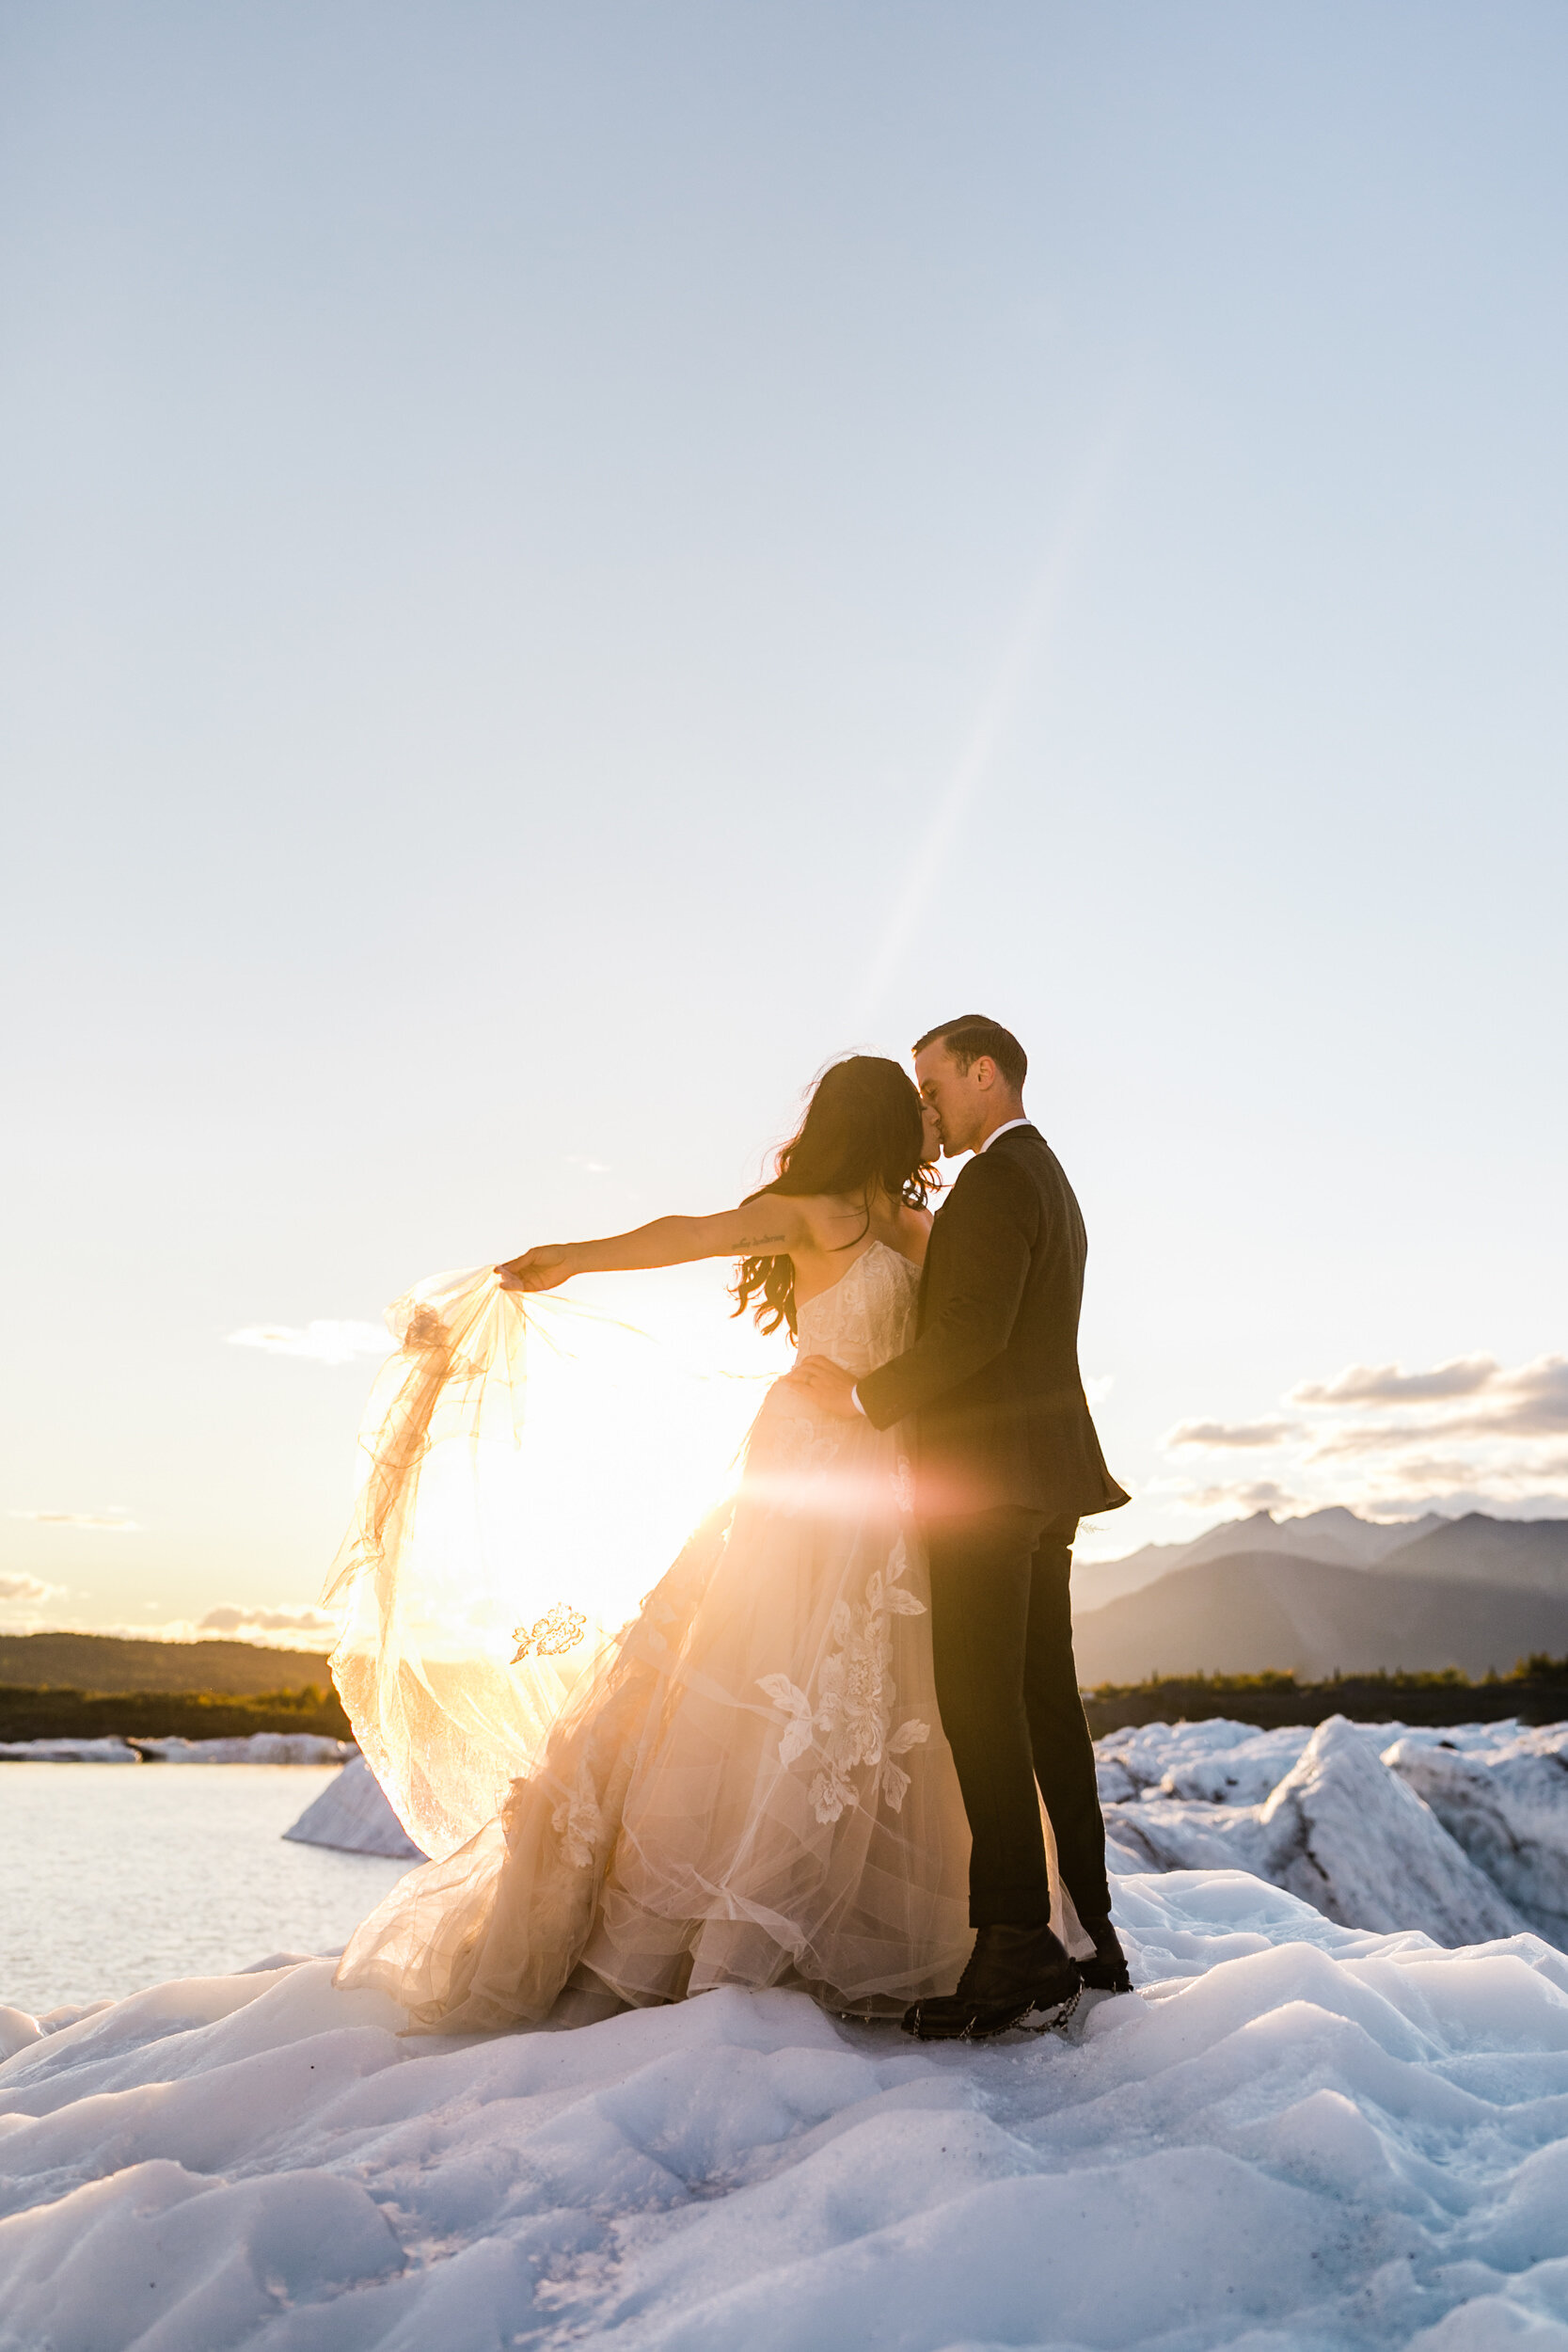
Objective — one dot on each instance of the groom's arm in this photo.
(990, 1227)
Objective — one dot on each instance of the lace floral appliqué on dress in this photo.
(558, 1629)
(856, 1699)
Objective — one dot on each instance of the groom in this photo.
(1006, 1462)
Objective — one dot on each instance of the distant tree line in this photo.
(55, 1714)
(1536, 1691)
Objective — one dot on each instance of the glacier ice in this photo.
(250, 1747)
(1334, 2118)
(351, 1813)
(1340, 1830)
(1326, 1813)
(1298, 2134)
(1505, 1802)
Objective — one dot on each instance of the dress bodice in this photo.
(867, 1316)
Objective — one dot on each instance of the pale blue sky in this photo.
(565, 565)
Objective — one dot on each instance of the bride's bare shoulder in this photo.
(829, 1220)
(836, 1222)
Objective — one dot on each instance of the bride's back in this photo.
(842, 1229)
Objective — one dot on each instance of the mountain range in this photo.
(1334, 1536)
(1328, 1592)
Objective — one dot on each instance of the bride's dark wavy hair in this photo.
(863, 1128)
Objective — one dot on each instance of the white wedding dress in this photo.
(749, 1783)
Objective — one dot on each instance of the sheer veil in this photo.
(516, 1500)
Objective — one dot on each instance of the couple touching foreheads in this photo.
(818, 1754)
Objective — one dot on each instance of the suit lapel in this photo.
(931, 1247)
(925, 1279)
(1029, 1133)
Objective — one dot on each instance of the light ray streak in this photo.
(1022, 651)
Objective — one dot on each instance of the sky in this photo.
(566, 567)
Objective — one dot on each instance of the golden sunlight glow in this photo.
(535, 1463)
(626, 1444)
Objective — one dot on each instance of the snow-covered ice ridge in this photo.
(1461, 1831)
(1298, 2136)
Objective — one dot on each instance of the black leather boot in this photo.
(1107, 1972)
(1012, 1971)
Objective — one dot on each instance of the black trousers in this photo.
(1007, 1688)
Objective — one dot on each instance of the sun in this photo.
(521, 1539)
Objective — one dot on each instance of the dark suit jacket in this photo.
(993, 1381)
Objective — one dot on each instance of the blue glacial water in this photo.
(119, 1876)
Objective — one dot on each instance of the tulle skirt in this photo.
(750, 1785)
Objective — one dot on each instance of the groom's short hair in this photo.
(973, 1034)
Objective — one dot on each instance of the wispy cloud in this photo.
(1259, 1494)
(1390, 1384)
(1528, 1400)
(1515, 1500)
(1374, 1438)
(1226, 1436)
(321, 1342)
(234, 1619)
(302, 1627)
(26, 1589)
(1391, 1440)
(100, 1522)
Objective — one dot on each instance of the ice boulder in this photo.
(1212, 1761)
(1359, 1844)
(1341, 1831)
(1143, 1754)
(1506, 1803)
(353, 1813)
(111, 1751)
(1113, 1780)
(254, 1747)
(1243, 1773)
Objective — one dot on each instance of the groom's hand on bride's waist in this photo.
(828, 1385)
(539, 1270)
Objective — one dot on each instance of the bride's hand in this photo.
(539, 1270)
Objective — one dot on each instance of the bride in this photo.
(751, 1785)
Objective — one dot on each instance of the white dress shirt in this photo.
(1006, 1127)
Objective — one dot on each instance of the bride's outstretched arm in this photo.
(769, 1225)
